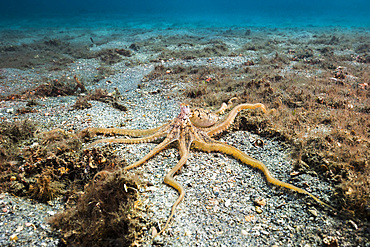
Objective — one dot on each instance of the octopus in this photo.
(192, 129)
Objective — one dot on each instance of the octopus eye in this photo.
(259, 143)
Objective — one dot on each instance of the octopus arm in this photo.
(170, 180)
(150, 138)
(236, 153)
(229, 119)
(128, 132)
(167, 141)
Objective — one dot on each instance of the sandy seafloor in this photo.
(203, 218)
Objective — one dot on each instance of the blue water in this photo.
(16, 14)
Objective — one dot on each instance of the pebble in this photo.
(154, 231)
(244, 232)
(313, 212)
(15, 222)
(227, 202)
(216, 191)
(10, 110)
(151, 188)
(213, 201)
(19, 228)
(51, 213)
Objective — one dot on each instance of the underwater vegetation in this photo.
(107, 214)
(10, 136)
(64, 87)
(47, 165)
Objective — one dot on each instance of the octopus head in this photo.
(185, 112)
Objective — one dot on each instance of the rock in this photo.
(330, 241)
(51, 212)
(10, 110)
(158, 240)
(16, 187)
(151, 188)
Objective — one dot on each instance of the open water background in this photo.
(19, 14)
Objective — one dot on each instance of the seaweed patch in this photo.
(106, 214)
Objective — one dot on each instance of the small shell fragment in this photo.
(313, 212)
(28, 224)
(216, 190)
(151, 188)
(249, 218)
(187, 232)
(13, 237)
(103, 160)
(353, 224)
(258, 210)
(294, 173)
(19, 228)
(213, 201)
(154, 231)
(260, 202)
